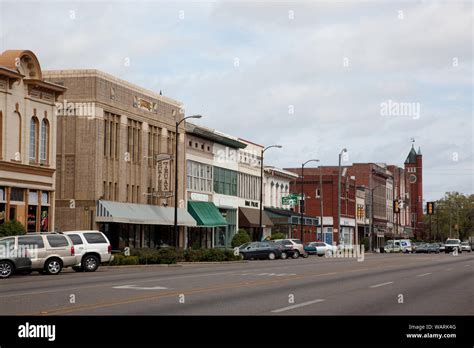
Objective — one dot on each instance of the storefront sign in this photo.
(163, 176)
(199, 197)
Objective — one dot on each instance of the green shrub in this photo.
(120, 260)
(278, 235)
(241, 237)
(193, 255)
(213, 255)
(167, 255)
(366, 243)
(12, 228)
(229, 255)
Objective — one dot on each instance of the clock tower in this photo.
(414, 175)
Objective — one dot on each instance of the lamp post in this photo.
(176, 234)
(302, 197)
(260, 228)
(339, 195)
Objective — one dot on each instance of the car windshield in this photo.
(465, 243)
(244, 245)
(452, 241)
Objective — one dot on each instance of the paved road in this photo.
(425, 284)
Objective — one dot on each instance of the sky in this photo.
(312, 76)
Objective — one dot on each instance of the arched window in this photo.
(33, 139)
(44, 141)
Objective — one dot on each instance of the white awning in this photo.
(143, 214)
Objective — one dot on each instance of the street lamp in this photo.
(339, 195)
(260, 228)
(302, 197)
(176, 179)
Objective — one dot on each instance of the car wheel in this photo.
(53, 266)
(328, 253)
(242, 256)
(284, 256)
(305, 255)
(78, 269)
(320, 255)
(271, 256)
(296, 254)
(90, 263)
(6, 269)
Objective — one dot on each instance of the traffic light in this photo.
(430, 207)
(396, 206)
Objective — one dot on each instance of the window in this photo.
(17, 194)
(199, 176)
(44, 142)
(76, 239)
(33, 241)
(33, 139)
(134, 137)
(225, 181)
(57, 241)
(95, 238)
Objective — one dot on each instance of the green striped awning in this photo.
(206, 214)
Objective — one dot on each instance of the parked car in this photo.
(320, 248)
(12, 259)
(286, 251)
(465, 246)
(392, 247)
(297, 246)
(422, 248)
(452, 245)
(50, 252)
(259, 250)
(441, 247)
(92, 248)
(433, 248)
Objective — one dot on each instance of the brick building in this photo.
(312, 190)
(414, 173)
(115, 160)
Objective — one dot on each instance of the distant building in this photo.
(414, 170)
(27, 142)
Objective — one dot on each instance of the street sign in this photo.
(290, 199)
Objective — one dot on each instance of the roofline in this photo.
(64, 73)
(250, 142)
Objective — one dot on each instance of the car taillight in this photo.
(72, 251)
(109, 249)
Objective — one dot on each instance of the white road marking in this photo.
(381, 284)
(466, 265)
(296, 306)
(269, 274)
(134, 287)
(448, 269)
(424, 274)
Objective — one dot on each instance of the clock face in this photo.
(412, 178)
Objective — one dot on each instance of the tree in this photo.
(12, 228)
(453, 217)
(241, 237)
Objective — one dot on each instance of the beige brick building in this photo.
(108, 177)
(27, 141)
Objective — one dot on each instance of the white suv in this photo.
(92, 249)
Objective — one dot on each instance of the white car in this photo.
(92, 248)
(465, 246)
(320, 248)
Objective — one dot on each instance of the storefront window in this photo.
(32, 197)
(17, 194)
(32, 216)
(2, 194)
(44, 198)
(2, 213)
(44, 223)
